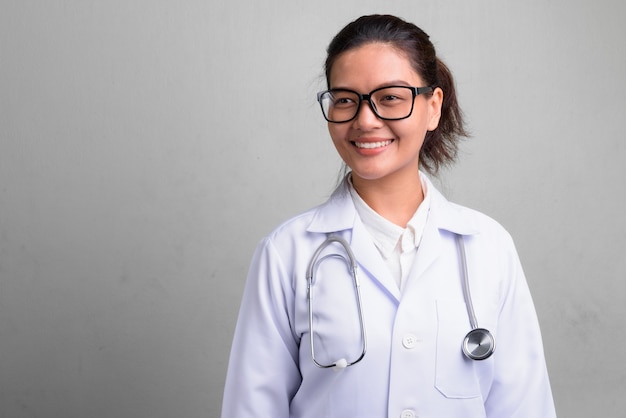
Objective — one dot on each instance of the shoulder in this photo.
(452, 214)
(459, 219)
(475, 225)
(293, 227)
(335, 214)
(483, 222)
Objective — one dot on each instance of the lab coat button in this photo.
(409, 341)
(407, 413)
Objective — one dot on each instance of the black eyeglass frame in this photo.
(367, 97)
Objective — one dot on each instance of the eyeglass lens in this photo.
(387, 103)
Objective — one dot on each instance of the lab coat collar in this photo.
(339, 214)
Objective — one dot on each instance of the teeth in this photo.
(371, 145)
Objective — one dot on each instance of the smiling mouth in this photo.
(372, 145)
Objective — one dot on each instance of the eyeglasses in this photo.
(388, 103)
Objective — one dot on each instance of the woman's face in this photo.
(373, 148)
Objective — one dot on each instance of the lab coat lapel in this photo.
(370, 260)
(443, 216)
(338, 216)
(427, 252)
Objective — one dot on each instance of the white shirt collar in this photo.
(387, 235)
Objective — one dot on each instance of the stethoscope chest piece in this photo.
(479, 344)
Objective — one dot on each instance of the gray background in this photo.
(147, 146)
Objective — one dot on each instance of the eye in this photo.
(389, 98)
(392, 96)
(343, 100)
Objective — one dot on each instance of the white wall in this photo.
(146, 147)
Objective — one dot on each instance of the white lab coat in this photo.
(414, 365)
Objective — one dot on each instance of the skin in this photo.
(386, 177)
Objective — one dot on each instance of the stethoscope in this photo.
(478, 344)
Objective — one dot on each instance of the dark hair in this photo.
(440, 145)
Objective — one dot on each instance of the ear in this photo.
(434, 109)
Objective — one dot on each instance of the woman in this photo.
(391, 111)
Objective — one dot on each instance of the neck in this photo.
(396, 200)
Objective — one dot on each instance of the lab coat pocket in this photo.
(455, 376)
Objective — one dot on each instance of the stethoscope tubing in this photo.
(478, 344)
(310, 274)
(466, 288)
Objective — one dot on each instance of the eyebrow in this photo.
(385, 84)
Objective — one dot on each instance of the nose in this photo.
(366, 117)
